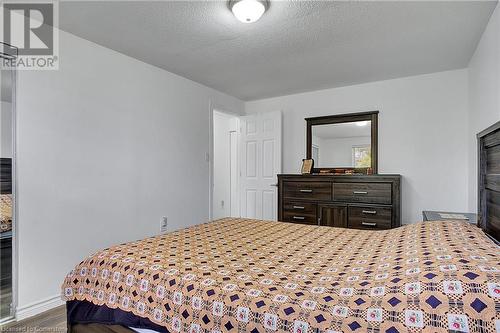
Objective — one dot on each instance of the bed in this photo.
(5, 214)
(244, 275)
(255, 276)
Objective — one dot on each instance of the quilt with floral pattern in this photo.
(243, 275)
(5, 212)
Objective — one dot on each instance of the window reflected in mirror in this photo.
(342, 145)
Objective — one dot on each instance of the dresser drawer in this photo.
(308, 190)
(300, 218)
(300, 212)
(369, 217)
(296, 207)
(377, 193)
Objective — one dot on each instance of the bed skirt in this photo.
(86, 317)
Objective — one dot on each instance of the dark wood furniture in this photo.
(5, 175)
(489, 181)
(371, 116)
(348, 201)
(430, 215)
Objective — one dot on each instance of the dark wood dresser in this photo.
(348, 201)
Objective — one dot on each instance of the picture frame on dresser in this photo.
(307, 166)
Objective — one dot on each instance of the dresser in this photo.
(349, 201)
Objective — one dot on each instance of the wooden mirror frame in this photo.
(345, 118)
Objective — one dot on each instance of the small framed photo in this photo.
(307, 166)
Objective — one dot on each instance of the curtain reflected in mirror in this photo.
(7, 89)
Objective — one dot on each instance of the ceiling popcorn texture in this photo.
(296, 46)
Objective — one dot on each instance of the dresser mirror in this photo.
(345, 143)
(7, 181)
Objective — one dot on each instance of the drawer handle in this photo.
(299, 218)
(306, 191)
(299, 207)
(369, 224)
(359, 192)
(372, 212)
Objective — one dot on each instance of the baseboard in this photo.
(35, 308)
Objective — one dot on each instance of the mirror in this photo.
(343, 143)
(7, 199)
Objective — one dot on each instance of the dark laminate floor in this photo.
(51, 321)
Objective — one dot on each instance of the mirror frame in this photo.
(345, 118)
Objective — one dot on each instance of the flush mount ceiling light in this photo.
(248, 11)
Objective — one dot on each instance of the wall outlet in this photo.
(163, 224)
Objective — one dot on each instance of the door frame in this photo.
(210, 155)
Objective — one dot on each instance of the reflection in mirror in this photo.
(342, 145)
(7, 80)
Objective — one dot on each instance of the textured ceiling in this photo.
(343, 130)
(297, 45)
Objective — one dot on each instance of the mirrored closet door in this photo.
(7, 154)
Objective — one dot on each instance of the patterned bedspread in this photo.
(258, 276)
(5, 212)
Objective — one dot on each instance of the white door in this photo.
(260, 163)
(233, 175)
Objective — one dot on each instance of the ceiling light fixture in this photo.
(248, 11)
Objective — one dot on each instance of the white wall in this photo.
(222, 187)
(5, 129)
(338, 152)
(422, 122)
(107, 146)
(484, 95)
